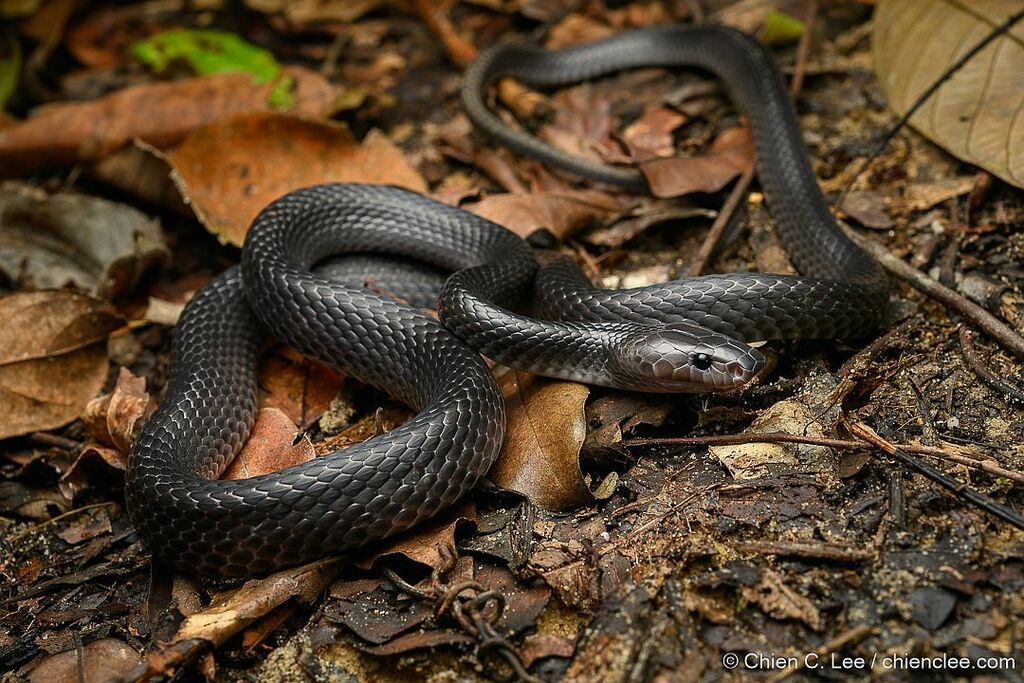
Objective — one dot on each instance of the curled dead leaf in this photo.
(114, 419)
(230, 170)
(546, 427)
(53, 240)
(53, 358)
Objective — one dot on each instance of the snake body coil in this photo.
(685, 335)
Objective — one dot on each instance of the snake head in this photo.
(684, 357)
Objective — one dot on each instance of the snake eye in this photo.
(701, 361)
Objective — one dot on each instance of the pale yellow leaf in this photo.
(978, 114)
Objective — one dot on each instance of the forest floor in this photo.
(599, 549)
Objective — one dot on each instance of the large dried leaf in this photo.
(53, 358)
(161, 113)
(545, 430)
(53, 240)
(978, 115)
(232, 169)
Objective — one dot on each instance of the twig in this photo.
(923, 97)
(435, 15)
(803, 49)
(854, 635)
(997, 329)
(990, 378)
(714, 236)
(48, 439)
(783, 437)
(829, 552)
(955, 487)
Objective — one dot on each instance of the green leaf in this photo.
(10, 67)
(781, 28)
(207, 52)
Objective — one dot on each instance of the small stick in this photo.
(803, 49)
(854, 635)
(739, 192)
(955, 487)
(829, 552)
(783, 437)
(990, 378)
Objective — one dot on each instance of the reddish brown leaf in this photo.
(269, 447)
(546, 427)
(101, 660)
(113, 419)
(161, 113)
(232, 169)
(730, 154)
(299, 387)
(561, 213)
(650, 136)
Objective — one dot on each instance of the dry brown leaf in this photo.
(427, 543)
(230, 170)
(53, 358)
(105, 659)
(300, 387)
(113, 419)
(561, 213)
(545, 430)
(160, 113)
(869, 208)
(270, 447)
(650, 136)
(233, 610)
(730, 154)
(53, 240)
(976, 115)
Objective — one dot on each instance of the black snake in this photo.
(687, 335)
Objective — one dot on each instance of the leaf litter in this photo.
(661, 556)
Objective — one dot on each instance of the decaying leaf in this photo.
(730, 154)
(270, 447)
(160, 113)
(53, 358)
(230, 170)
(976, 115)
(777, 599)
(105, 659)
(49, 241)
(545, 430)
(113, 419)
(561, 213)
(231, 611)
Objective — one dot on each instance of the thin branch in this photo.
(714, 236)
(957, 488)
(989, 466)
(981, 370)
(803, 49)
